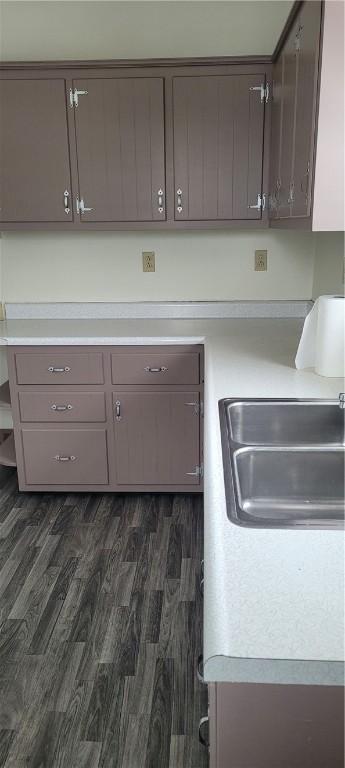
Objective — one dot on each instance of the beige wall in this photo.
(329, 263)
(329, 200)
(58, 30)
(189, 266)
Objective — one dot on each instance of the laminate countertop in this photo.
(274, 599)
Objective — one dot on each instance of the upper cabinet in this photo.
(307, 132)
(120, 149)
(134, 147)
(295, 79)
(180, 145)
(35, 183)
(218, 147)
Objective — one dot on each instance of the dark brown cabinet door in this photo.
(295, 78)
(218, 146)
(307, 57)
(157, 440)
(120, 149)
(276, 140)
(288, 126)
(34, 152)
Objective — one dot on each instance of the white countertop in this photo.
(274, 599)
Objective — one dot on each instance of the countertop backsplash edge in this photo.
(147, 309)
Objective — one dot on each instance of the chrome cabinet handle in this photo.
(160, 195)
(118, 410)
(64, 458)
(291, 197)
(55, 407)
(204, 741)
(162, 368)
(65, 201)
(53, 369)
(81, 207)
(179, 206)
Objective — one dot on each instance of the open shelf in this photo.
(5, 398)
(8, 452)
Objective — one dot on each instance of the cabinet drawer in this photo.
(65, 456)
(156, 368)
(59, 368)
(61, 406)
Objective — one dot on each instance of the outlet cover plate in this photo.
(260, 263)
(149, 262)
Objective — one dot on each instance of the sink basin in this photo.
(283, 462)
(287, 422)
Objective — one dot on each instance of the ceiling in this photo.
(98, 29)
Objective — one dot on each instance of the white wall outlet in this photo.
(149, 261)
(260, 262)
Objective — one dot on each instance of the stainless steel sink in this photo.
(284, 462)
(286, 422)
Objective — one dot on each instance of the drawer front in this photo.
(59, 368)
(63, 406)
(156, 368)
(65, 456)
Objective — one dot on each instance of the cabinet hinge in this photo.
(198, 407)
(198, 472)
(74, 96)
(260, 205)
(264, 91)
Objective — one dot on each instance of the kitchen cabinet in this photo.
(218, 146)
(157, 438)
(107, 418)
(120, 149)
(294, 111)
(137, 147)
(265, 726)
(34, 152)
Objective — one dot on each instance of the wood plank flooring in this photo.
(100, 630)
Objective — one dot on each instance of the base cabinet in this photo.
(276, 726)
(157, 438)
(106, 419)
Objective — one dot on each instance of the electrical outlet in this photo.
(260, 263)
(149, 261)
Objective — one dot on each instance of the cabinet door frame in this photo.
(86, 70)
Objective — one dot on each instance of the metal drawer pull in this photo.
(179, 200)
(65, 458)
(65, 201)
(55, 407)
(52, 369)
(118, 410)
(162, 368)
(160, 194)
(203, 741)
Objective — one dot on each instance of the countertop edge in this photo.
(224, 669)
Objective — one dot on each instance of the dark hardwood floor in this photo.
(100, 630)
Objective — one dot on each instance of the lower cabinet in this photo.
(275, 726)
(157, 438)
(106, 419)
